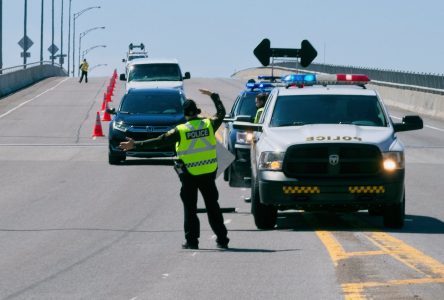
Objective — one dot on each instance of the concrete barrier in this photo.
(416, 101)
(14, 81)
(421, 101)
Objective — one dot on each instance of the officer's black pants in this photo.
(84, 74)
(207, 186)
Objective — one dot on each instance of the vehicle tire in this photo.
(115, 159)
(265, 216)
(394, 215)
(233, 179)
(227, 174)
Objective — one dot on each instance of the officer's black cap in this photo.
(190, 108)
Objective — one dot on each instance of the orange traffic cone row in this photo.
(106, 115)
(103, 103)
(98, 127)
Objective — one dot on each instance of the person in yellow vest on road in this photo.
(197, 166)
(84, 69)
(260, 103)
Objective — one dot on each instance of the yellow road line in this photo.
(354, 291)
(335, 249)
(408, 255)
(430, 268)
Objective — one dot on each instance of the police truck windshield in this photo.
(298, 110)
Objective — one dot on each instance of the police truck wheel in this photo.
(265, 216)
(394, 215)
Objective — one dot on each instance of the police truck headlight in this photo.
(244, 137)
(120, 126)
(393, 161)
(271, 161)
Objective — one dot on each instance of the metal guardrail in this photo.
(431, 83)
(23, 67)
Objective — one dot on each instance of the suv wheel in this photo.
(115, 159)
(394, 215)
(265, 216)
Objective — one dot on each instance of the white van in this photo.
(154, 73)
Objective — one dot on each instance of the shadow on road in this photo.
(148, 161)
(361, 221)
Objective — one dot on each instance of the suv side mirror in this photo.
(123, 60)
(187, 75)
(122, 77)
(111, 111)
(409, 123)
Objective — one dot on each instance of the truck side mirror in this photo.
(122, 77)
(409, 123)
(187, 75)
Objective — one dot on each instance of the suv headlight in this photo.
(393, 161)
(244, 137)
(120, 126)
(271, 161)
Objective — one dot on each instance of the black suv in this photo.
(145, 114)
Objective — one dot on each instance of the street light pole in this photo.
(61, 38)
(52, 34)
(41, 33)
(91, 48)
(1, 36)
(81, 35)
(96, 66)
(69, 36)
(25, 43)
(74, 17)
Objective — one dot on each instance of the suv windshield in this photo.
(328, 109)
(131, 57)
(155, 72)
(247, 105)
(152, 104)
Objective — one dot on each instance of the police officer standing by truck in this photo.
(197, 166)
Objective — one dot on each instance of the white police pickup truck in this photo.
(327, 144)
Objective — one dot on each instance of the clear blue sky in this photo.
(215, 38)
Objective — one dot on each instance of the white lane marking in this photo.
(165, 275)
(213, 237)
(32, 99)
(428, 126)
(194, 254)
(133, 298)
(228, 221)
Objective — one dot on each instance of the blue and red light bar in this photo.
(324, 79)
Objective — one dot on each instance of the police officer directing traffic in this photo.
(196, 149)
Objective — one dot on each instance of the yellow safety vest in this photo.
(258, 114)
(84, 66)
(197, 146)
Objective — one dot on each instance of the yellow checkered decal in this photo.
(368, 189)
(301, 190)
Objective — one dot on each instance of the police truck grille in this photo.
(332, 160)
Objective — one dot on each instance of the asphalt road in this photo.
(74, 227)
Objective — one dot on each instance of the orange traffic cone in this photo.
(103, 103)
(98, 127)
(106, 115)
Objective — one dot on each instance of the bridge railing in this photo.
(15, 78)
